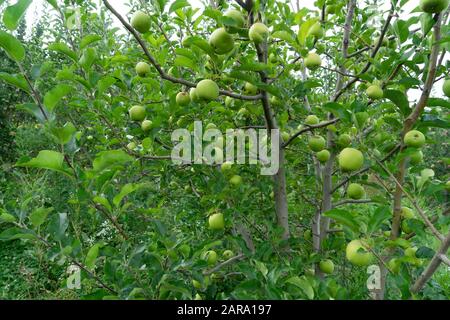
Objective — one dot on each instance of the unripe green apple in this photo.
(351, 159)
(207, 90)
(446, 88)
(211, 257)
(137, 113)
(355, 191)
(323, 156)
(394, 265)
(131, 146)
(141, 21)
(196, 284)
(258, 33)
(236, 180)
(344, 140)
(228, 254)
(415, 139)
(185, 249)
(143, 69)
(228, 102)
(221, 41)
(316, 30)
(313, 61)
(330, 9)
(407, 213)
(405, 226)
(183, 99)
(316, 143)
(357, 254)
(216, 221)
(411, 252)
(146, 125)
(433, 6)
(416, 157)
(250, 88)
(226, 167)
(193, 95)
(375, 92)
(326, 266)
(237, 17)
(312, 120)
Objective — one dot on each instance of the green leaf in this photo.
(16, 233)
(379, 216)
(399, 99)
(16, 80)
(34, 109)
(87, 40)
(13, 47)
(91, 256)
(344, 217)
(55, 95)
(53, 3)
(304, 29)
(126, 190)
(58, 226)
(108, 159)
(64, 134)
(6, 217)
(13, 14)
(64, 49)
(38, 216)
(303, 283)
(182, 61)
(178, 4)
(425, 253)
(103, 201)
(284, 35)
(437, 102)
(104, 83)
(46, 159)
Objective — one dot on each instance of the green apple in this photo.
(312, 120)
(143, 69)
(323, 156)
(207, 90)
(414, 139)
(211, 257)
(357, 254)
(185, 249)
(405, 226)
(375, 92)
(131, 146)
(229, 102)
(183, 99)
(250, 88)
(193, 95)
(258, 33)
(228, 254)
(331, 9)
(411, 252)
(446, 88)
(416, 157)
(344, 140)
(326, 266)
(221, 41)
(146, 125)
(394, 265)
(226, 167)
(316, 143)
(350, 159)
(141, 21)
(273, 58)
(236, 180)
(355, 191)
(316, 31)
(313, 61)
(407, 213)
(433, 6)
(238, 19)
(196, 284)
(216, 221)
(137, 113)
(198, 297)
